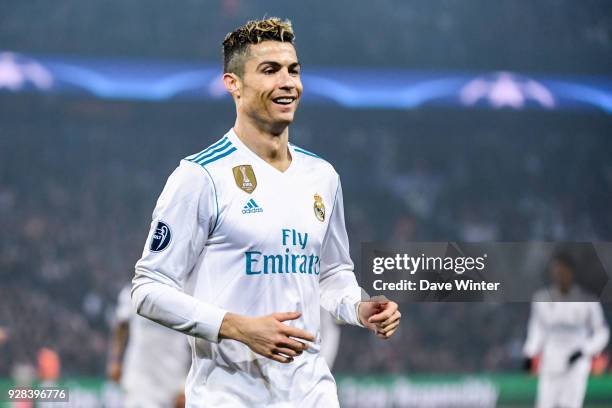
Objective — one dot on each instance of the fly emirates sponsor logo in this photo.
(292, 259)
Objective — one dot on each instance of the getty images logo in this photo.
(251, 207)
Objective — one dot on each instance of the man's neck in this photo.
(271, 148)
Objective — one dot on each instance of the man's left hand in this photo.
(383, 317)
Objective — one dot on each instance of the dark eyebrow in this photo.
(275, 64)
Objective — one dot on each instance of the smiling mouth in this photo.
(284, 100)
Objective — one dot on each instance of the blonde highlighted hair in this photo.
(236, 44)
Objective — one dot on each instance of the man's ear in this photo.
(232, 84)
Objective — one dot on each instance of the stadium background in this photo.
(80, 174)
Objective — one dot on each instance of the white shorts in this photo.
(564, 390)
(263, 383)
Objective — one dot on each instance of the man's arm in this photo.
(535, 335)
(600, 332)
(3, 335)
(120, 335)
(119, 340)
(535, 332)
(340, 293)
(179, 230)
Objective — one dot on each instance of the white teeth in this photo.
(283, 100)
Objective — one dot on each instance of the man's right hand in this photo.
(267, 335)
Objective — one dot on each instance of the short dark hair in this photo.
(236, 44)
(564, 258)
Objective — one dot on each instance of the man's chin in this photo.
(286, 118)
(279, 125)
(276, 122)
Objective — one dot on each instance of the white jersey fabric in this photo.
(230, 233)
(156, 360)
(330, 338)
(559, 325)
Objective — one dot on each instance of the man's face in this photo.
(562, 276)
(270, 87)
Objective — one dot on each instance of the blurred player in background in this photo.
(248, 240)
(568, 328)
(149, 360)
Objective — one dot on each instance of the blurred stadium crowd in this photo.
(80, 179)
(561, 36)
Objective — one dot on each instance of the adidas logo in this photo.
(251, 207)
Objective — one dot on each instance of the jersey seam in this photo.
(332, 211)
(216, 201)
(211, 231)
(335, 198)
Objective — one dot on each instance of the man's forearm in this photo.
(119, 341)
(340, 296)
(174, 309)
(118, 346)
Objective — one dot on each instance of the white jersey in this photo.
(330, 338)
(230, 233)
(562, 324)
(156, 359)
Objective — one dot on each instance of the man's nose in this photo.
(287, 82)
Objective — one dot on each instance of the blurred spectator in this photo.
(49, 366)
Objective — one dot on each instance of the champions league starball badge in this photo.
(319, 208)
(161, 237)
(245, 177)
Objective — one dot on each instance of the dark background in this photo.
(79, 177)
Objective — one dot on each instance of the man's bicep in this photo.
(179, 231)
(180, 226)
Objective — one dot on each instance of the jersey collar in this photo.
(233, 137)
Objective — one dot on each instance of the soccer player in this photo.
(149, 360)
(248, 240)
(568, 327)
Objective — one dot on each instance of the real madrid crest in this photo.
(245, 178)
(319, 208)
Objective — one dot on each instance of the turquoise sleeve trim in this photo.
(230, 151)
(209, 153)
